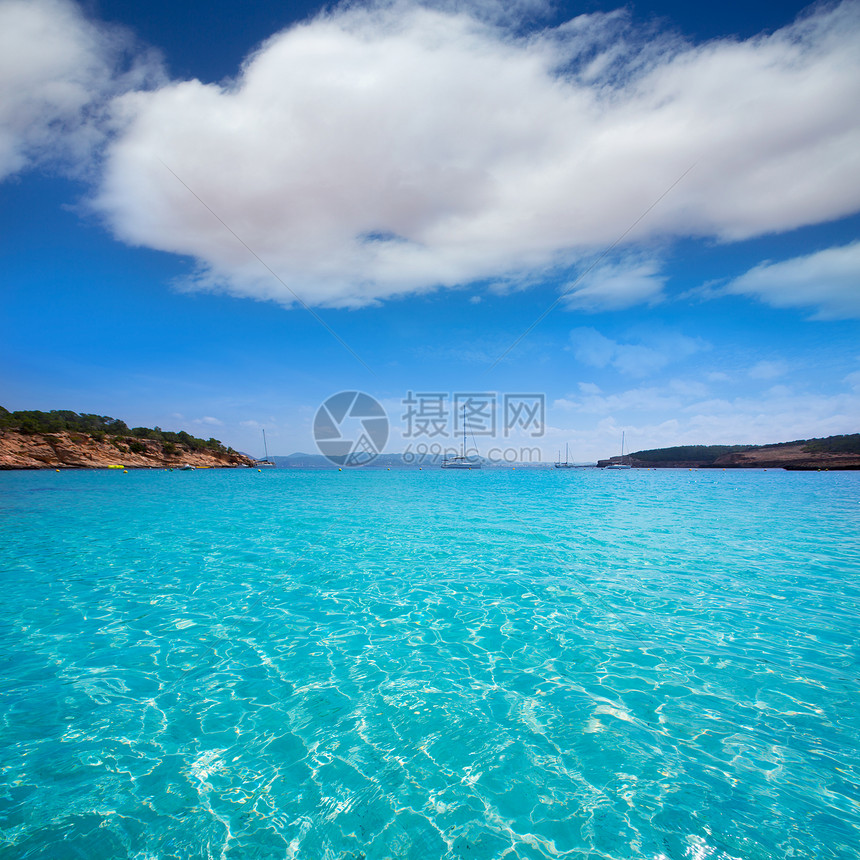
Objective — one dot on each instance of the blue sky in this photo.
(680, 185)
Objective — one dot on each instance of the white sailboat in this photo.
(267, 463)
(566, 464)
(461, 461)
(621, 464)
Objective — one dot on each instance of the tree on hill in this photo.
(849, 444)
(701, 454)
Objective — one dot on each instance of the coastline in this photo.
(67, 450)
(791, 457)
(72, 450)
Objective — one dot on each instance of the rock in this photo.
(79, 451)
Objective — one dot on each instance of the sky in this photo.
(215, 215)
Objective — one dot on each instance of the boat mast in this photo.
(265, 446)
(464, 431)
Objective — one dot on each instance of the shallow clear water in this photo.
(494, 664)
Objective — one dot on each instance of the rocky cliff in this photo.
(795, 457)
(66, 450)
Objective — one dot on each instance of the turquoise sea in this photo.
(434, 664)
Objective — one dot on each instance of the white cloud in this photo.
(779, 391)
(377, 151)
(591, 347)
(634, 359)
(502, 12)
(828, 280)
(614, 286)
(688, 387)
(777, 415)
(57, 73)
(208, 419)
(646, 399)
(767, 369)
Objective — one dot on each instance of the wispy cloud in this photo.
(643, 399)
(853, 379)
(828, 281)
(616, 285)
(270, 424)
(767, 369)
(650, 354)
(59, 72)
(779, 414)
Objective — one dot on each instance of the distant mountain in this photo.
(300, 460)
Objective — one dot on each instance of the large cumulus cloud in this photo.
(377, 151)
(395, 148)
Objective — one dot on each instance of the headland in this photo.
(67, 440)
(831, 452)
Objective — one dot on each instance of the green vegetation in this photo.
(835, 444)
(58, 420)
(102, 427)
(706, 455)
(703, 454)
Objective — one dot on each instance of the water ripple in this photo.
(372, 665)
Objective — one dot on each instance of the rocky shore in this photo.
(66, 450)
(792, 457)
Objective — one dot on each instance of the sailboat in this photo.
(566, 464)
(267, 462)
(620, 464)
(461, 462)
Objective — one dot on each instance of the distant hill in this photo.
(831, 452)
(383, 461)
(700, 454)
